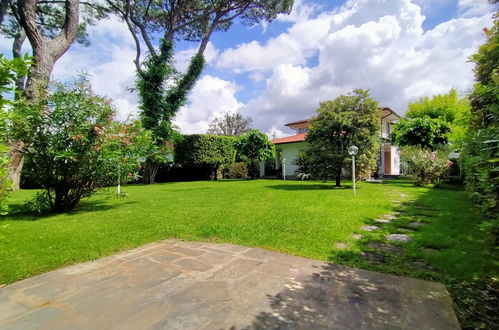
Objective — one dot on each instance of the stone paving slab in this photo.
(195, 285)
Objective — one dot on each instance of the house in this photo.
(287, 148)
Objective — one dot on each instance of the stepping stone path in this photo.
(401, 238)
(417, 224)
(406, 230)
(357, 236)
(370, 227)
(385, 247)
(383, 220)
(421, 215)
(373, 257)
(420, 265)
(340, 245)
(430, 250)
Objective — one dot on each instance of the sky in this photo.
(279, 72)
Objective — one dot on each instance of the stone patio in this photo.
(194, 285)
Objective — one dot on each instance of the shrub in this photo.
(481, 151)
(303, 162)
(254, 147)
(210, 151)
(236, 171)
(10, 70)
(4, 181)
(4, 165)
(425, 166)
(75, 148)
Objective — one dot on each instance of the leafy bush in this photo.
(236, 171)
(4, 181)
(74, 146)
(205, 150)
(302, 160)
(4, 165)
(425, 166)
(481, 152)
(10, 70)
(254, 147)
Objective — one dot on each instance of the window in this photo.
(302, 130)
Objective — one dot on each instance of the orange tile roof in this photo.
(289, 139)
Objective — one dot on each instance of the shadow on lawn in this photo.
(307, 187)
(18, 212)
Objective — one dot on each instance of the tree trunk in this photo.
(150, 171)
(16, 52)
(16, 155)
(338, 180)
(16, 163)
(47, 52)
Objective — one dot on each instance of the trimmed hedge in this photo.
(208, 151)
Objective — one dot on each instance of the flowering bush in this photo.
(75, 148)
(425, 166)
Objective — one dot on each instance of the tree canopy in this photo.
(230, 124)
(425, 132)
(162, 89)
(51, 26)
(351, 119)
(449, 107)
(254, 147)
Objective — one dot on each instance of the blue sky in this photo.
(279, 72)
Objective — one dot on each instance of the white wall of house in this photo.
(290, 152)
(395, 161)
(389, 166)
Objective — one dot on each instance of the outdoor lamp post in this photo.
(352, 151)
(284, 168)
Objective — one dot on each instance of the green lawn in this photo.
(300, 218)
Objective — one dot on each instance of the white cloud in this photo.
(108, 62)
(210, 97)
(300, 42)
(377, 45)
(301, 12)
(473, 8)
(183, 57)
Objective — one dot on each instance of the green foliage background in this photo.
(481, 152)
(10, 70)
(424, 132)
(351, 119)
(254, 147)
(205, 150)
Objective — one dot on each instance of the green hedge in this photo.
(201, 150)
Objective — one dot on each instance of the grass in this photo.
(300, 218)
